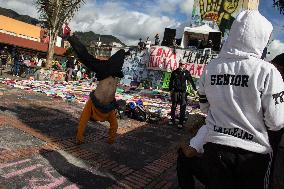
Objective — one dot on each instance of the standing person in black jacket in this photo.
(177, 87)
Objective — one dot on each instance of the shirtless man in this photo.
(101, 105)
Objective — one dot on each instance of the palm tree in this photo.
(280, 5)
(54, 13)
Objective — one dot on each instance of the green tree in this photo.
(54, 13)
(280, 5)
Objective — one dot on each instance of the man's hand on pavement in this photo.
(79, 140)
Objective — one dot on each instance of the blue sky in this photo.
(130, 20)
(265, 7)
(273, 15)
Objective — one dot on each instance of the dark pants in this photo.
(274, 139)
(16, 68)
(228, 167)
(178, 98)
(188, 168)
(29, 71)
(69, 73)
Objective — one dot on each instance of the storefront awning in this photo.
(29, 44)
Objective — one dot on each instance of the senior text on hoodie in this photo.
(242, 94)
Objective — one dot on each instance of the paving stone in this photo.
(12, 138)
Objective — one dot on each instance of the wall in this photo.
(58, 42)
(154, 65)
(135, 70)
(20, 29)
(222, 12)
(164, 59)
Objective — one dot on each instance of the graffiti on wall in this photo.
(222, 12)
(155, 66)
(163, 58)
(135, 70)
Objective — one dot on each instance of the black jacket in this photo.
(102, 68)
(178, 80)
(70, 63)
(85, 57)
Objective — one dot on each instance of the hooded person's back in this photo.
(242, 94)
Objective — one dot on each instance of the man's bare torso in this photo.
(105, 91)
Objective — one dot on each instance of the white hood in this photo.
(242, 94)
(248, 36)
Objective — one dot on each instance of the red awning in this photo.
(29, 44)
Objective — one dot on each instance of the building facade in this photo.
(27, 36)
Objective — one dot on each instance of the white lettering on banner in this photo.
(164, 59)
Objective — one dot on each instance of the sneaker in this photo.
(180, 126)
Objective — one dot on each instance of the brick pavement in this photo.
(141, 157)
(38, 150)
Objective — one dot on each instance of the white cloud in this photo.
(24, 7)
(168, 6)
(171, 6)
(186, 6)
(111, 18)
(275, 48)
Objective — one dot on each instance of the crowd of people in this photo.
(142, 45)
(19, 61)
(75, 70)
(23, 63)
(241, 96)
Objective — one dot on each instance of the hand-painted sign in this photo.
(163, 58)
(150, 66)
(222, 12)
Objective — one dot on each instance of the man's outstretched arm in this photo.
(86, 58)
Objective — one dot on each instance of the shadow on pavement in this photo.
(134, 149)
(77, 175)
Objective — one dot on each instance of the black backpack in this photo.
(121, 108)
(136, 112)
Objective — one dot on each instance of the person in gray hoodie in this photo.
(243, 97)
